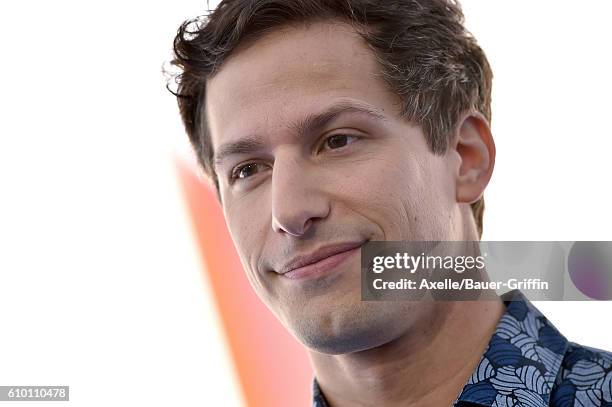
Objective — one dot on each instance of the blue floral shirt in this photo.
(528, 363)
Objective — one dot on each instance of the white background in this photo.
(100, 281)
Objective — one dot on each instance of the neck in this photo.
(429, 365)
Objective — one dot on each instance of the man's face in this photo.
(321, 159)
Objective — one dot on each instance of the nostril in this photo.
(306, 226)
(293, 228)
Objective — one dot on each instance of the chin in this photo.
(365, 326)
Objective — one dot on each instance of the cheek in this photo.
(405, 195)
(247, 228)
(249, 232)
(386, 190)
(435, 200)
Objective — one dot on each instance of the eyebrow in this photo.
(310, 124)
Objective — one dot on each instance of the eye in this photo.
(338, 141)
(246, 170)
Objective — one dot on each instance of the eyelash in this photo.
(234, 176)
(336, 135)
(236, 171)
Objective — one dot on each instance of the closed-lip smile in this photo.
(319, 261)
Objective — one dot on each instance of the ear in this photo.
(475, 147)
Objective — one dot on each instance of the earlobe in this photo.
(473, 143)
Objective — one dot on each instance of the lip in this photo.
(319, 262)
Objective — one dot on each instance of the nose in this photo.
(298, 199)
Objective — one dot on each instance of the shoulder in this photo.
(584, 379)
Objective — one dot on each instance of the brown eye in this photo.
(247, 170)
(338, 141)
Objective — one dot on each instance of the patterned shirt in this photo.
(528, 363)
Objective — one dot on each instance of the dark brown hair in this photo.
(427, 57)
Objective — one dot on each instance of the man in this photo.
(326, 124)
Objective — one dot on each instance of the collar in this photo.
(520, 365)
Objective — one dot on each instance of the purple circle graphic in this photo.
(590, 268)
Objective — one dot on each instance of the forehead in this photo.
(288, 73)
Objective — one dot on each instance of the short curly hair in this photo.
(427, 57)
